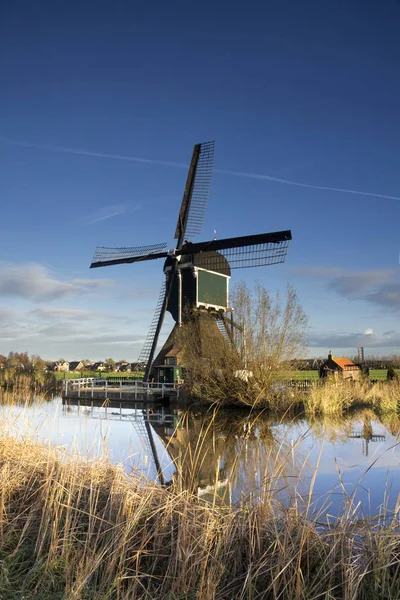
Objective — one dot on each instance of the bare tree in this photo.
(269, 339)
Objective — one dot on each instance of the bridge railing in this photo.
(135, 387)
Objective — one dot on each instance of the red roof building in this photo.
(339, 366)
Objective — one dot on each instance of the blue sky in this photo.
(304, 93)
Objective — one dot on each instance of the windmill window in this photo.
(171, 360)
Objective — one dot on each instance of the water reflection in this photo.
(231, 456)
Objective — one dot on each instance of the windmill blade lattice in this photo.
(143, 428)
(146, 350)
(257, 255)
(104, 257)
(197, 190)
(201, 190)
(241, 252)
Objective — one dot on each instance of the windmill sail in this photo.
(104, 257)
(257, 255)
(241, 252)
(161, 309)
(146, 350)
(197, 189)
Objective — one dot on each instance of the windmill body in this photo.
(199, 291)
(200, 281)
(197, 275)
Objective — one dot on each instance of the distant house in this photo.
(60, 365)
(98, 366)
(123, 367)
(138, 366)
(76, 365)
(339, 366)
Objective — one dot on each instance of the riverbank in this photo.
(28, 381)
(318, 398)
(72, 529)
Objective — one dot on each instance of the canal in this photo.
(325, 466)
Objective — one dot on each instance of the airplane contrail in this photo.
(168, 163)
(305, 185)
(80, 152)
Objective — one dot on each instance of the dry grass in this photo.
(385, 396)
(336, 398)
(71, 529)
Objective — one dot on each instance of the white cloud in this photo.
(380, 287)
(72, 333)
(353, 340)
(65, 314)
(34, 282)
(368, 331)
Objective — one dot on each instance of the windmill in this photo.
(196, 274)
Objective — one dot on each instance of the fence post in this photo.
(92, 386)
(120, 389)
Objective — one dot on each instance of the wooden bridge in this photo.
(129, 390)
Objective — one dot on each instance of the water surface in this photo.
(232, 455)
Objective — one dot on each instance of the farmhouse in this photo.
(60, 365)
(76, 365)
(123, 367)
(339, 366)
(98, 366)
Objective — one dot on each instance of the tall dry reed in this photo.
(71, 529)
(338, 397)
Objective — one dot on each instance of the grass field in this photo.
(304, 375)
(379, 374)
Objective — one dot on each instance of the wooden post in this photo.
(179, 277)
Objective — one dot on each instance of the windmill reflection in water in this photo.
(225, 458)
(215, 455)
